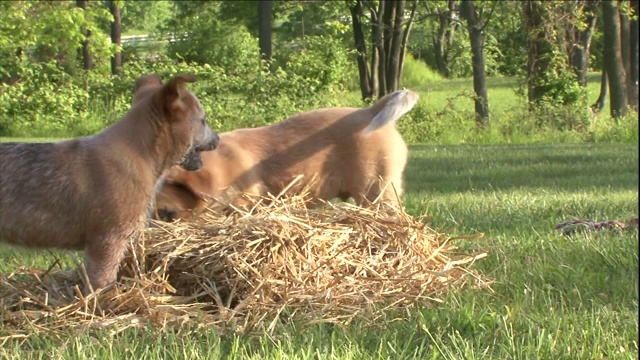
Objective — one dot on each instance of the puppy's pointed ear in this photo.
(174, 88)
(172, 91)
(144, 84)
(147, 80)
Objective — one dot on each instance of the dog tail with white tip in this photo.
(391, 108)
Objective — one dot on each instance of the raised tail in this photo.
(391, 108)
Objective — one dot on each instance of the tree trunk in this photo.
(405, 36)
(116, 38)
(376, 46)
(613, 59)
(87, 57)
(264, 29)
(630, 54)
(468, 12)
(580, 43)
(395, 48)
(389, 36)
(382, 53)
(387, 15)
(625, 49)
(451, 5)
(602, 98)
(538, 61)
(632, 74)
(361, 48)
(443, 39)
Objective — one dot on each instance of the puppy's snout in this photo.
(215, 140)
(211, 140)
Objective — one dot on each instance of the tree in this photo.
(50, 32)
(476, 25)
(116, 37)
(602, 98)
(535, 15)
(389, 34)
(631, 56)
(579, 35)
(366, 80)
(634, 53)
(87, 57)
(550, 79)
(443, 38)
(264, 28)
(613, 58)
(144, 16)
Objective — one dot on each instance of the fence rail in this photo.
(143, 39)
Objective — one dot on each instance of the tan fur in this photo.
(346, 151)
(94, 193)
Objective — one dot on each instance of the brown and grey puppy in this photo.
(93, 193)
(341, 152)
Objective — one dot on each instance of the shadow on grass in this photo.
(571, 168)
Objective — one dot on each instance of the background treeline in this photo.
(67, 67)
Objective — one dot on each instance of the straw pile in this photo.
(249, 270)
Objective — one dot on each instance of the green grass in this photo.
(501, 93)
(554, 297)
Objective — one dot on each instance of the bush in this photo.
(416, 73)
(49, 102)
(322, 59)
(42, 102)
(607, 129)
(424, 124)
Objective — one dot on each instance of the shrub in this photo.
(425, 124)
(606, 129)
(416, 73)
(322, 59)
(43, 101)
(49, 102)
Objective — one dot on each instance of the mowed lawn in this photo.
(551, 297)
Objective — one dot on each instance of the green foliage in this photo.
(460, 64)
(511, 38)
(50, 102)
(205, 39)
(44, 92)
(41, 103)
(322, 59)
(415, 73)
(50, 31)
(425, 124)
(144, 16)
(606, 129)
(558, 84)
(297, 20)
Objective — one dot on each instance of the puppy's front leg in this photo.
(102, 259)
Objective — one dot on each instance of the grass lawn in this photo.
(501, 93)
(553, 297)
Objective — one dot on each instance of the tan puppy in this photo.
(93, 193)
(345, 151)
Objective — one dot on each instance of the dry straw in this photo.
(249, 270)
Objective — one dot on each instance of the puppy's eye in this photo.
(203, 121)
